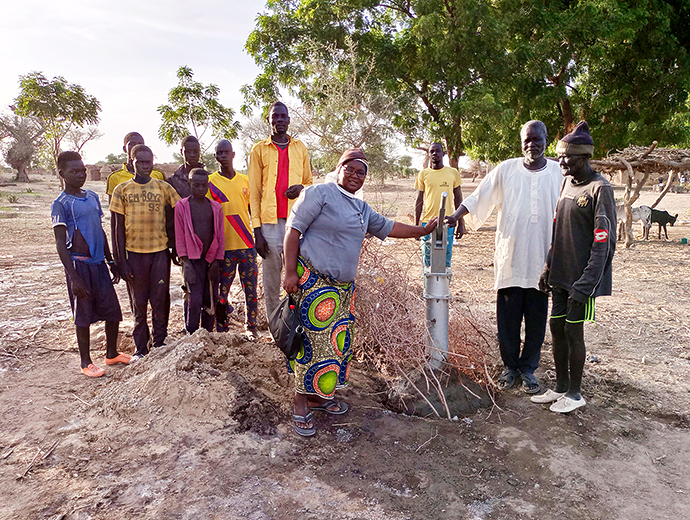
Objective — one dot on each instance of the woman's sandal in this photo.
(304, 419)
(326, 407)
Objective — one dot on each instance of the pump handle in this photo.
(441, 217)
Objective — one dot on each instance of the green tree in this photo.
(194, 109)
(412, 47)
(59, 105)
(471, 72)
(622, 65)
(20, 138)
(111, 158)
(341, 109)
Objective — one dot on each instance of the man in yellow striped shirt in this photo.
(231, 190)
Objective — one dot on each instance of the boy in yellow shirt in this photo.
(143, 229)
(231, 190)
(127, 171)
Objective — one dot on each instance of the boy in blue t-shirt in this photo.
(83, 250)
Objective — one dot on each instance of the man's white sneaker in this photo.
(566, 404)
(547, 397)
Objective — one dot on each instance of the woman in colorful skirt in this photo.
(323, 240)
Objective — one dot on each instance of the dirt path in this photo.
(200, 428)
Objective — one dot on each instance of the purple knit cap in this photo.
(577, 142)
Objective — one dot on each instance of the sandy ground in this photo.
(200, 428)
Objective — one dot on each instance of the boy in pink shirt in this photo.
(200, 242)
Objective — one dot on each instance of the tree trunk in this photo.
(567, 116)
(22, 176)
(454, 145)
(630, 198)
(629, 239)
(425, 149)
(630, 195)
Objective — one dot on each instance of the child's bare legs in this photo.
(84, 342)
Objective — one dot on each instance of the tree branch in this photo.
(669, 183)
(404, 10)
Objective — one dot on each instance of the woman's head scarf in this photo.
(353, 154)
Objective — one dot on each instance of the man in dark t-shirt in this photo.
(191, 154)
(579, 264)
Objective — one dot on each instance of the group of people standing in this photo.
(555, 234)
(310, 239)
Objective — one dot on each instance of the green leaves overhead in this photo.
(471, 72)
(55, 101)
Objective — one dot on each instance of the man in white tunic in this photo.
(525, 191)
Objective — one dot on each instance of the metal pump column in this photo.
(437, 291)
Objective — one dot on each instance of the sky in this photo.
(126, 53)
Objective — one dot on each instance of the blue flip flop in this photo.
(325, 407)
(507, 379)
(305, 419)
(530, 384)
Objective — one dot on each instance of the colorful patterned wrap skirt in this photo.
(326, 312)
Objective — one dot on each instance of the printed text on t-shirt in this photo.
(153, 199)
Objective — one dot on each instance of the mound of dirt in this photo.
(214, 378)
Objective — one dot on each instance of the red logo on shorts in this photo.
(601, 235)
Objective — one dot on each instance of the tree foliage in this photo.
(341, 109)
(113, 159)
(194, 109)
(471, 72)
(59, 105)
(622, 65)
(20, 138)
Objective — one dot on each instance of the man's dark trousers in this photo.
(512, 305)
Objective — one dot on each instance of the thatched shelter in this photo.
(633, 167)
